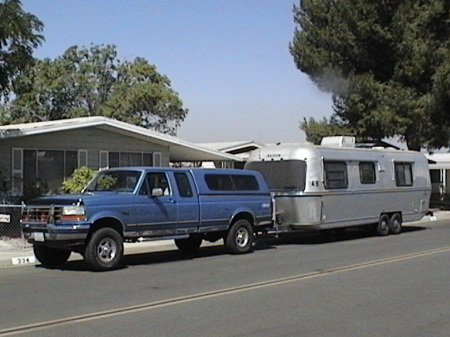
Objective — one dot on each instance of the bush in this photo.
(79, 179)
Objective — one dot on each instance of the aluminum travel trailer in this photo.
(331, 186)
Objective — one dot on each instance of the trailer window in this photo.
(281, 175)
(403, 174)
(367, 173)
(335, 174)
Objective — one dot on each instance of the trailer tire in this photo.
(104, 250)
(239, 239)
(51, 257)
(395, 224)
(382, 228)
(189, 245)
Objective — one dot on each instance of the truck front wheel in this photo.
(49, 256)
(104, 250)
(240, 237)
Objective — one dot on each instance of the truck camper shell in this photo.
(328, 187)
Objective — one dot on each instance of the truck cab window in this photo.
(155, 180)
(184, 187)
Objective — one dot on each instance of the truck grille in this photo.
(45, 214)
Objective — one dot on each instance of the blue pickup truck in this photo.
(133, 204)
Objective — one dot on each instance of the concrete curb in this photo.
(13, 256)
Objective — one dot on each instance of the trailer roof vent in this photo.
(338, 141)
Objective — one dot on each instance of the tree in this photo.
(387, 64)
(18, 37)
(93, 82)
(316, 130)
(78, 180)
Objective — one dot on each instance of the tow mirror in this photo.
(157, 192)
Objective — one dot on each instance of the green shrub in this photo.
(79, 179)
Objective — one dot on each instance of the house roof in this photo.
(241, 149)
(232, 147)
(179, 150)
(440, 160)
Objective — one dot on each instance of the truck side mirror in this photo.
(157, 192)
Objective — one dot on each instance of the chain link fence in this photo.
(10, 231)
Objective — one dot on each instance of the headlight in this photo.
(74, 212)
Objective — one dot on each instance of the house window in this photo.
(17, 172)
(50, 169)
(41, 171)
(123, 159)
(147, 159)
(403, 174)
(157, 159)
(82, 158)
(335, 174)
(104, 160)
(367, 173)
(130, 159)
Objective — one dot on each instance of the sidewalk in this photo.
(16, 252)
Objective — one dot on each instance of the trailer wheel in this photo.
(189, 245)
(51, 257)
(240, 237)
(382, 228)
(104, 250)
(395, 224)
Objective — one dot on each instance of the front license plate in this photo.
(39, 237)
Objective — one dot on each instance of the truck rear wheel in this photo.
(395, 224)
(49, 256)
(104, 250)
(189, 245)
(240, 237)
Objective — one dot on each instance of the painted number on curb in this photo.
(23, 260)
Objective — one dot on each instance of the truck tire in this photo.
(395, 224)
(240, 237)
(51, 257)
(382, 228)
(189, 245)
(104, 250)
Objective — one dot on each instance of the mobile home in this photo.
(440, 179)
(337, 186)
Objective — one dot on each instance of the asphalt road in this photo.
(352, 284)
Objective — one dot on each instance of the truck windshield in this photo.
(115, 181)
(281, 175)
